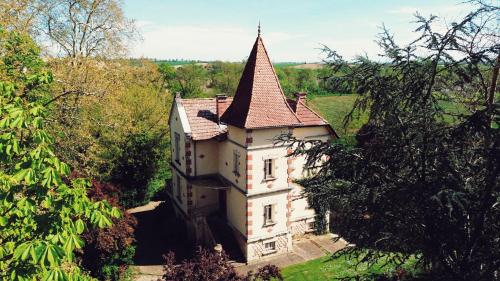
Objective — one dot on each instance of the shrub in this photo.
(207, 265)
(108, 252)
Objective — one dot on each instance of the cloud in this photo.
(403, 10)
(443, 10)
(201, 42)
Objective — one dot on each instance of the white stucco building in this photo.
(225, 162)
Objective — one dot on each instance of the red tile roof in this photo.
(259, 101)
(202, 117)
(306, 115)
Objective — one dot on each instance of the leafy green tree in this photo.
(136, 167)
(424, 178)
(190, 80)
(42, 213)
(225, 76)
(168, 74)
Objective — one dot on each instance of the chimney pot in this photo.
(220, 105)
(300, 96)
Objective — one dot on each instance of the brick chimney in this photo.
(301, 96)
(221, 105)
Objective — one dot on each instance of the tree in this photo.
(190, 80)
(225, 76)
(20, 15)
(42, 213)
(208, 265)
(424, 177)
(87, 28)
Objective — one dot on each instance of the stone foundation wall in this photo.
(301, 227)
(256, 249)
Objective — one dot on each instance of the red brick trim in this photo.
(289, 171)
(249, 174)
(249, 221)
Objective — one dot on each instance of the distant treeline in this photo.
(206, 79)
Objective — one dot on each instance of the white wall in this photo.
(206, 158)
(300, 208)
(307, 133)
(261, 231)
(236, 209)
(258, 181)
(225, 164)
(176, 127)
(182, 203)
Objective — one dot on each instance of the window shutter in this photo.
(275, 168)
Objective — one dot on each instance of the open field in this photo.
(334, 109)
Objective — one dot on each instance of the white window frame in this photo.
(269, 167)
(269, 218)
(270, 246)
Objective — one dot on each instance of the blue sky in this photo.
(292, 30)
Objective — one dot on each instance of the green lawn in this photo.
(334, 109)
(327, 269)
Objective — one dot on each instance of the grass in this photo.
(334, 108)
(326, 268)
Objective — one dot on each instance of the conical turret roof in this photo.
(259, 101)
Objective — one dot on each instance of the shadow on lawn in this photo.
(158, 231)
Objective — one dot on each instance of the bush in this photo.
(108, 252)
(207, 265)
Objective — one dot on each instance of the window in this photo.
(236, 162)
(268, 169)
(268, 215)
(177, 140)
(270, 246)
(179, 188)
(311, 225)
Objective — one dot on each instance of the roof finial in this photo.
(258, 29)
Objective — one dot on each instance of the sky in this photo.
(292, 30)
